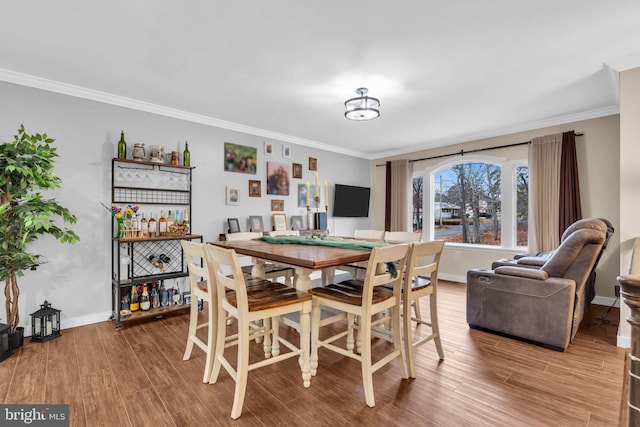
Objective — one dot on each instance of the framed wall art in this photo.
(240, 158)
(279, 222)
(286, 151)
(268, 148)
(255, 188)
(313, 164)
(278, 178)
(233, 196)
(277, 205)
(296, 170)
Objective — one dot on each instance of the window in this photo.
(483, 201)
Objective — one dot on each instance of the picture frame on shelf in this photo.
(268, 148)
(313, 164)
(286, 151)
(255, 224)
(279, 222)
(296, 170)
(277, 205)
(232, 196)
(255, 188)
(234, 225)
(297, 222)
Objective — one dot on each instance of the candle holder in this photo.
(308, 217)
(45, 323)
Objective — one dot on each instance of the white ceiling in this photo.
(445, 72)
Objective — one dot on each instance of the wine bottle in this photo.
(122, 147)
(145, 302)
(156, 262)
(170, 222)
(164, 258)
(186, 156)
(162, 224)
(134, 304)
(175, 297)
(186, 221)
(155, 298)
(144, 226)
(152, 226)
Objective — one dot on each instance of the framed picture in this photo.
(255, 188)
(296, 170)
(234, 225)
(296, 222)
(277, 205)
(268, 148)
(302, 196)
(279, 222)
(240, 158)
(255, 223)
(278, 178)
(313, 164)
(233, 196)
(286, 151)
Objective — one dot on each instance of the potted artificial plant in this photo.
(26, 169)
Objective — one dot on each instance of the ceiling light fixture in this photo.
(362, 108)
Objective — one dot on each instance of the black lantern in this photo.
(5, 348)
(45, 323)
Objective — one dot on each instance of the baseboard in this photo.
(452, 278)
(606, 301)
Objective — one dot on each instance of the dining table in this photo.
(303, 258)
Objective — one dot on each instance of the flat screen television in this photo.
(351, 201)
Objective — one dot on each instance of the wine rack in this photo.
(148, 183)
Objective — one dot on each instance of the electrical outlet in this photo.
(617, 291)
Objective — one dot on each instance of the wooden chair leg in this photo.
(315, 333)
(219, 348)
(435, 329)
(416, 309)
(242, 370)
(266, 343)
(397, 340)
(211, 338)
(275, 343)
(364, 336)
(193, 323)
(305, 345)
(351, 318)
(408, 339)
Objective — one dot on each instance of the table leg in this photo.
(303, 279)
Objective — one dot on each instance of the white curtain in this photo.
(400, 180)
(545, 154)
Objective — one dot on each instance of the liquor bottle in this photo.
(145, 302)
(152, 226)
(136, 225)
(170, 222)
(155, 298)
(177, 217)
(164, 258)
(186, 221)
(144, 226)
(134, 304)
(175, 296)
(162, 224)
(156, 262)
(186, 156)
(164, 295)
(122, 147)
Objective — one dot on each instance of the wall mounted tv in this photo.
(351, 201)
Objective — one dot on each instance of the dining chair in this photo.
(201, 286)
(369, 234)
(402, 237)
(357, 269)
(364, 299)
(271, 271)
(261, 300)
(421, 280)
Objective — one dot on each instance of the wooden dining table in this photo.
(305, 259)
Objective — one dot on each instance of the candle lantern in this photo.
(5, 348)
(45, 323)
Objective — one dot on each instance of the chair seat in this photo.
(350, 292)
(263, 294)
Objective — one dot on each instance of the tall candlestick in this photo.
(326, 192)
(308, 192)
(316, 184)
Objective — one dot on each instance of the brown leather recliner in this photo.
(544, 305)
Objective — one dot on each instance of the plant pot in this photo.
(16, 339)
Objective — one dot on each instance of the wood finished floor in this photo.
(136, 377)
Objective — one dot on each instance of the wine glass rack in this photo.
(163, 187)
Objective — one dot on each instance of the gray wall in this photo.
(76, 278)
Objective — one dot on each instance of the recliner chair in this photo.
(544, 305)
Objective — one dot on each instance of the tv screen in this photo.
(351, 201)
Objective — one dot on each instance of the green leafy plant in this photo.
(26, 170)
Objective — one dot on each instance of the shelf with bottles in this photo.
(152, 299)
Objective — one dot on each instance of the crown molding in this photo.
(134, 104)
(523, 127)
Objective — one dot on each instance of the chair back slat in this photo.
(416, 265)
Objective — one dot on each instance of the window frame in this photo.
(508, 222)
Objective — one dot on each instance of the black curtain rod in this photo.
(463, 152)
